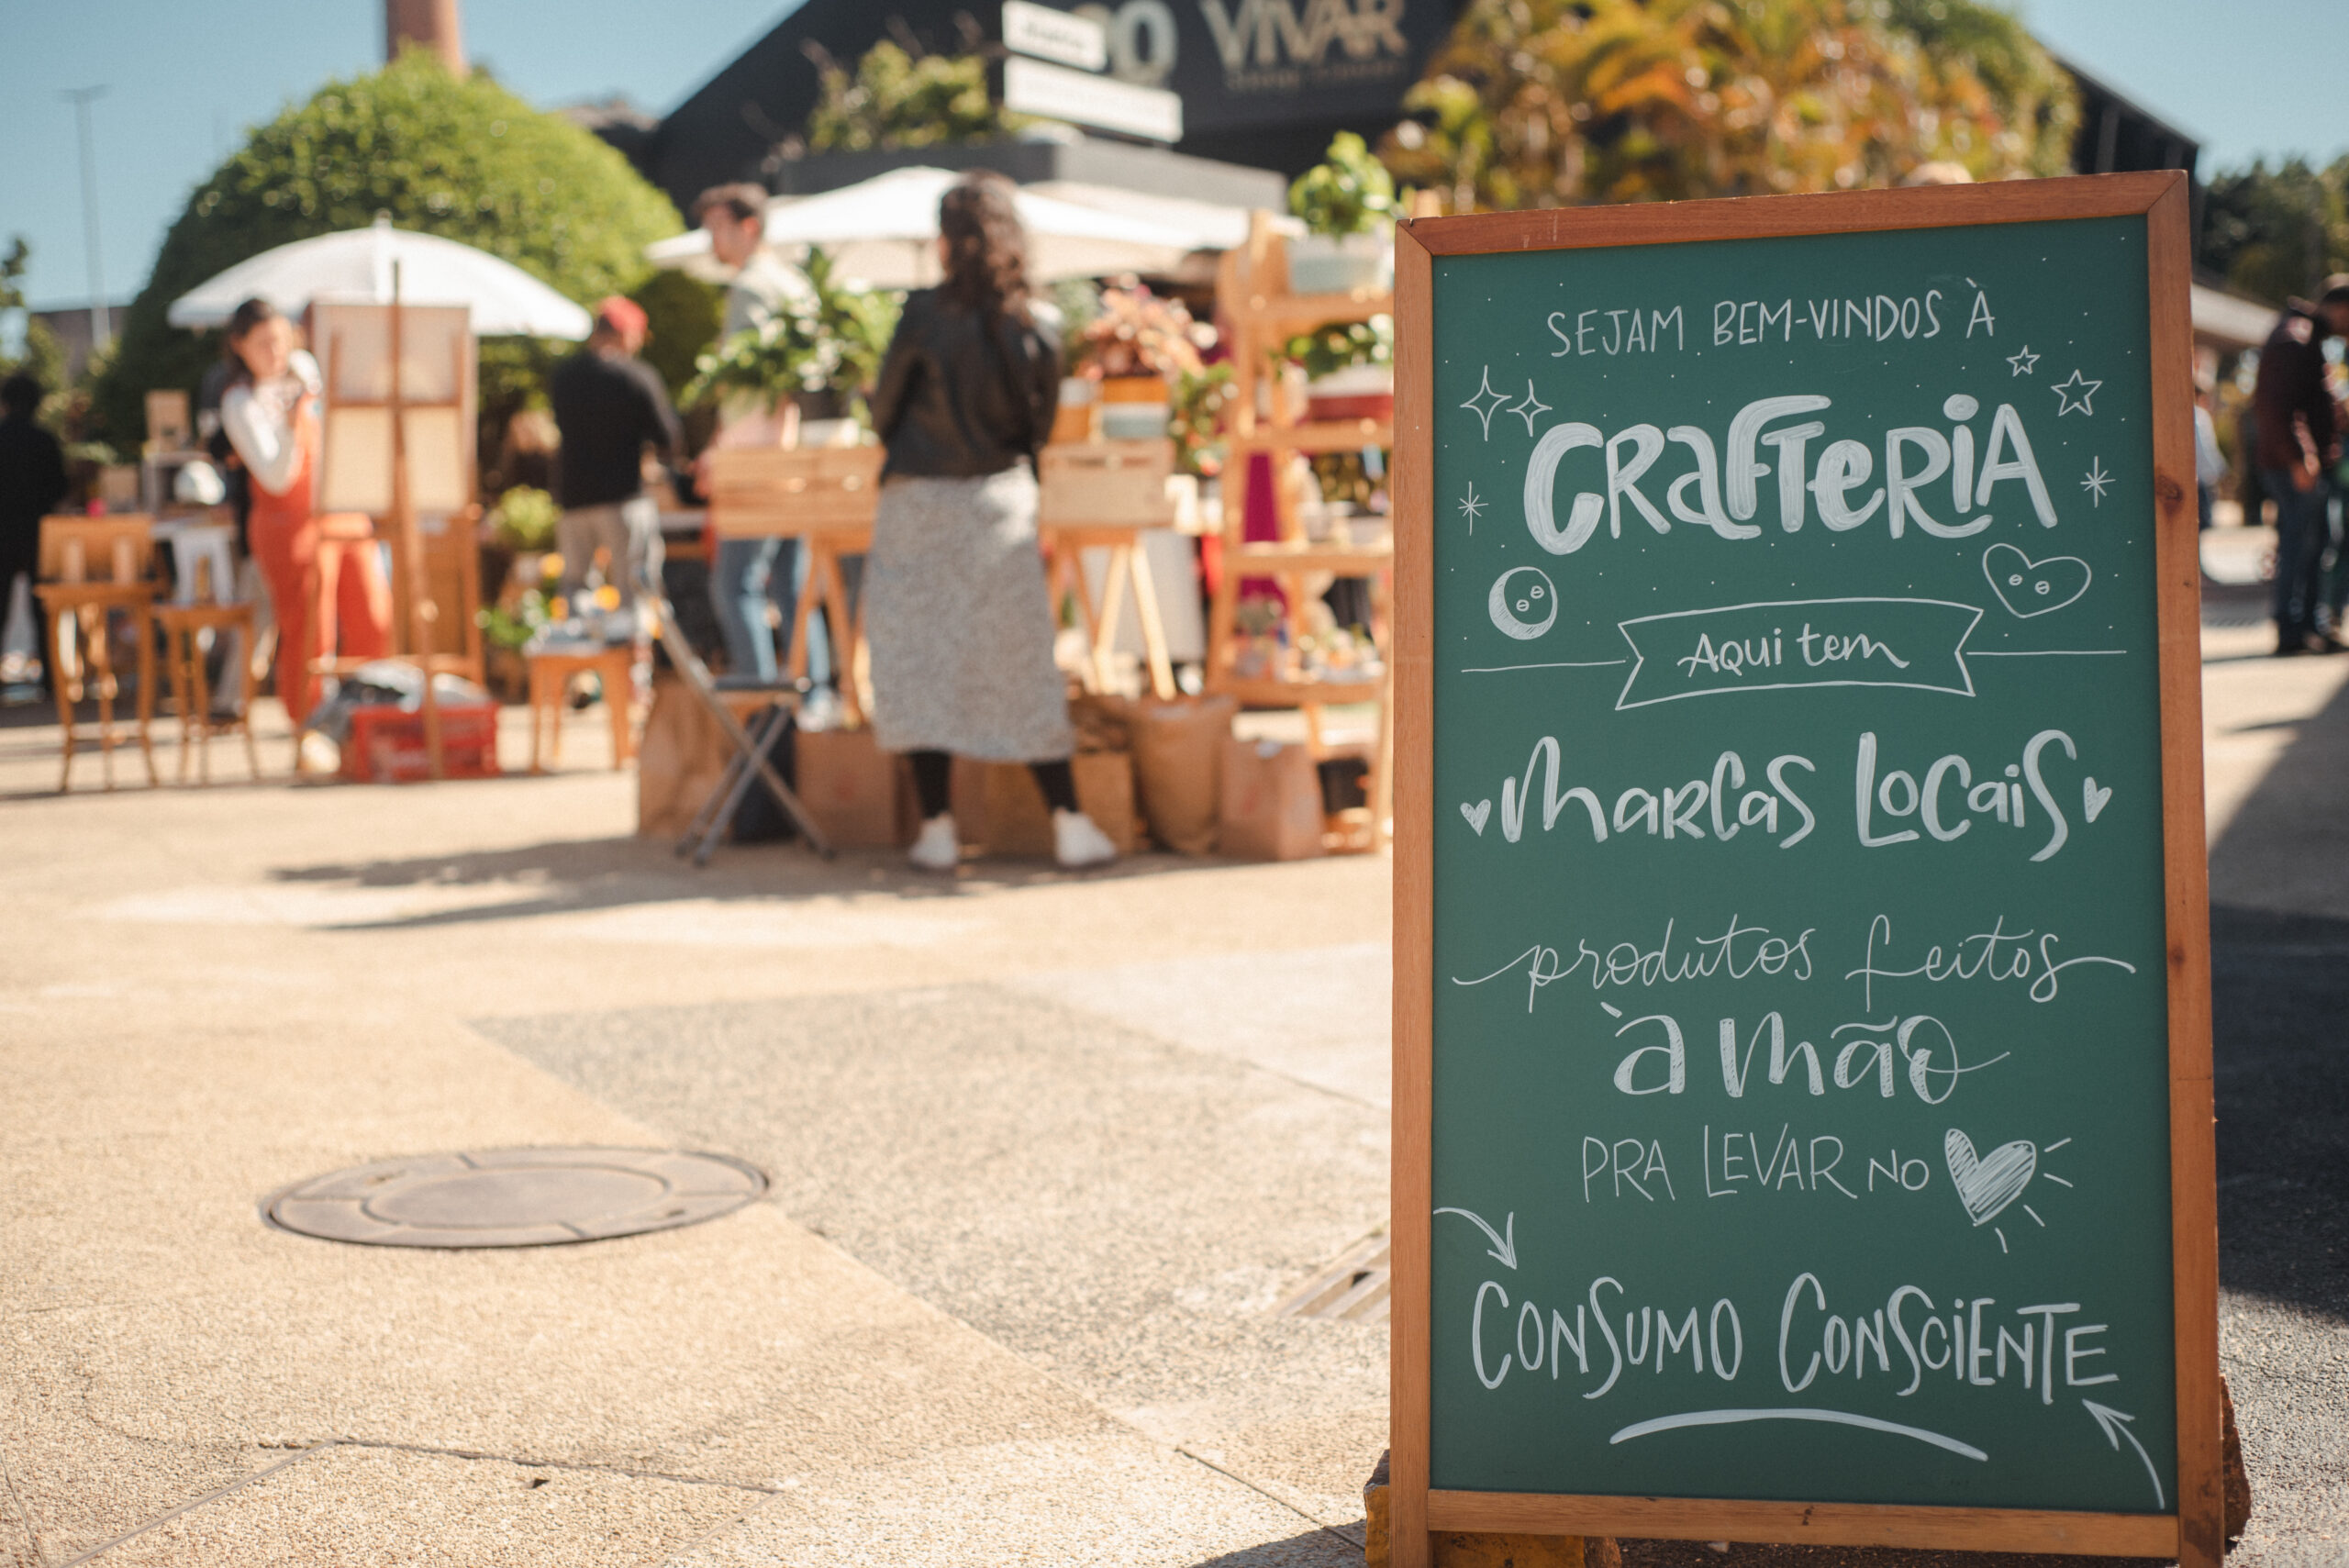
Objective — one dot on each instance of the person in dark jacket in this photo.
(609, 406)
(956, 611)
(32, 483)
(2298, 437)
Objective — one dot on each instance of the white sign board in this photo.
(1059, 36)
(1032, 87)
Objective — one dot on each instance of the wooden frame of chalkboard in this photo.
(2195, 1531)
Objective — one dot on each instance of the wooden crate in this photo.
(772, 491)
(1107, 483)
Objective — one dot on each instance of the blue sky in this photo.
(2249, 77)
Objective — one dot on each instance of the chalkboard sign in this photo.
(1802, 1042)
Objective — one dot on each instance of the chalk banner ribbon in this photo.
(1784, 643)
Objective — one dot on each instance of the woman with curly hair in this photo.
(955, 605)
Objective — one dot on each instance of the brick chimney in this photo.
(431, 23)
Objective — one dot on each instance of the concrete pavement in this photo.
(1046, 1153)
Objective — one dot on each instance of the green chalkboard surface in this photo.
(1800, 1112)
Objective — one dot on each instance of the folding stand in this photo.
(750, 751)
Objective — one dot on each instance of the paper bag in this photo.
(861, 796)
(1271, 802)
(1178, 761)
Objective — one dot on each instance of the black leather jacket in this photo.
(958, 397)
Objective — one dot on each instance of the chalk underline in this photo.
(1586, 664)
(1839, 1418)
(2047, 653)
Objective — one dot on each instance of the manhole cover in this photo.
(517, 1197)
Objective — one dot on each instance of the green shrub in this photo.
(463, 158)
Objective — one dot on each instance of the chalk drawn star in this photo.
(2096, 481)
(1471, 506)
(1529, 407)
(1487, 401)
(2074, 393)
(2023, 360)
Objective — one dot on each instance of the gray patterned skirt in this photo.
(957, 618)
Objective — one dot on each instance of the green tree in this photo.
(2037, 107)
(40, 352)
(894, 99)
(1549, 103)
(2278, 232)
(464, 158)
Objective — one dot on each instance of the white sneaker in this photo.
(937, 849)
(1077, 842)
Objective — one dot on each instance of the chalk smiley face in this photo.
(2029, 587)
(1523, 603)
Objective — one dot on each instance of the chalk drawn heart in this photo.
(2092, 799)
(1477, 815)
(2029, 587)
(1986, 1186)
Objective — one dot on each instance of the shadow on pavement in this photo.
(1314, 1549)
(566, 877)
(2280, 986)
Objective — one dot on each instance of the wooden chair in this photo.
(91, 568)
(184, 627)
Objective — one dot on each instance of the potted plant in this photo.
(1135, 349)
(1350, 368)
(818, 351)
(1347, 202)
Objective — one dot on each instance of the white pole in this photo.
(101, 320)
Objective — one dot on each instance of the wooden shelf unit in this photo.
(1262, 313)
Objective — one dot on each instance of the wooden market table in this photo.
(824, 497)
(1106, 495)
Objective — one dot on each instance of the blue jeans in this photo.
(2300, 539)
(747, 574)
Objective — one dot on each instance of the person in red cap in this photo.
(609, 406)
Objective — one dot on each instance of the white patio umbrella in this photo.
(883, 231)
(357, 265)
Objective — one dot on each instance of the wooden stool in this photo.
(550, 675)
(83, 608)
(183, 626)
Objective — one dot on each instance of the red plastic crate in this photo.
(386, 744)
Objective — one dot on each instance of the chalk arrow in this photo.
(1504, 1245)
(2115, 1427)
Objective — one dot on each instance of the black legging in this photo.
(933, 773)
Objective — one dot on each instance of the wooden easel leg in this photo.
(802, 613)
(1153, 629)
(1223, 607)
(847, 643)
(1089, 613)
(1104, 633)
